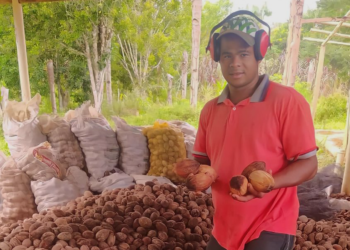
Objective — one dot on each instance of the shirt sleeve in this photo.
(297, 128)
(199, 148)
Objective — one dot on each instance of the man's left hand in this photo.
(252, 194)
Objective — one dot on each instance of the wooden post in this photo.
(50, 74)
(311, 72)
(319, 74)
(21, 50)
(346, 178)
(184, 67)
(287, 61)
(346, 131)
(170, 86)
(196, 35)
(293, 67)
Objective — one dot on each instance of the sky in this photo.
(280, 8)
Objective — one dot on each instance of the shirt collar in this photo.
(258, 95)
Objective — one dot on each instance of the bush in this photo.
(304, 89)
(331, 112)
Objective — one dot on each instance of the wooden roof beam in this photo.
(335, 29)
(323, 41)
(28, 1)
(336, 23)
(329, 32)
(325, 19)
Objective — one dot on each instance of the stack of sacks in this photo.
(134, 153)
(99, 144)
(62, 140)
(52, 184)
(18, 199)
(20, 126)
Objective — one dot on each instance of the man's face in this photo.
(238, 64)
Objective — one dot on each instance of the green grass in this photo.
(323, 156)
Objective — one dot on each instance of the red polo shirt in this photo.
(274, 125)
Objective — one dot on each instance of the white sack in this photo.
(110, 182)
(97, 140)
(134, 152)
(20, 125)
(142, 179)
(186, 128)
(79, 178)
(189, 142)
(62, 140)
(41, 163)
(3, 158)
(18, 199)
(53, 193)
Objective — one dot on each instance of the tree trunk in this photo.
(196, 34)
(109, 83)
(65, 99)
(97, 51)
(293, 70)
(184, 67)
(287, 62)
(170, 86)
(51, 78)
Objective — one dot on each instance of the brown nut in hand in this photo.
(185, 167)
(261, 181)
(239, 185)
(254, 166)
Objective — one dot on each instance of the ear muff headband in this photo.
(260, 46)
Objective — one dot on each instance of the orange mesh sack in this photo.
(167, 146)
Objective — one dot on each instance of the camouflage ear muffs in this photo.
(244, 27)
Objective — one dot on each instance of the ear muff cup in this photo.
(262, 42)
(214, 48)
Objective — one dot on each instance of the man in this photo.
(254, 119)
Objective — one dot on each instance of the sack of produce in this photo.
(167, 146)
(18, 199)
(134, 153)
(54, 193)
(62, 140)
(189, 142)
(97, 140)
(20, 125)
(186, 128)
(41, 163)
(79, 178)
(3, 158)
(143, 179)
(112, 180)
(189, 133)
